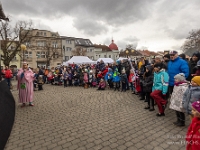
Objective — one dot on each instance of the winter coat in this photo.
(175, 67)
(109, 75)
(160, 81)
(192, 94)
(148, 83)
(177, 97)
(193, 135)
(123, 78)
(116, 77)
(131, 78)
(85, 77)
(102, 85)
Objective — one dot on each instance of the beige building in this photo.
(43, 48)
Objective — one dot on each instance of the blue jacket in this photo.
(109, 74)
(175, 67)
(116, 77)
(160, 81)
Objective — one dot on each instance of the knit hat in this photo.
(198, 63)
(167, 56)
(158, 65)
(180, 77)
(196, 105)
(196, 79)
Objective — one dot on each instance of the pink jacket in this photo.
(102, 84)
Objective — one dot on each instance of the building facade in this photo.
(43, 48)
(76, 47)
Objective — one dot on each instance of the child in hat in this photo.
(160, 87)
(193, 133)
(191, 95)
(101, 85)
(180, 86)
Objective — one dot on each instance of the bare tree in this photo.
(130, 47)
(192, 43)
(52, 51)
(79, 51)
(12, 38)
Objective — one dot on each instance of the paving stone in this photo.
(78, 118)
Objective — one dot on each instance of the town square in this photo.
(99, 75)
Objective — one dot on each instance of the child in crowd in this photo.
(109, 77)
(65, 77)
(90, 78)
(191, 95)
(180, 86)
(94, 81)
(76, 78)
(123, 81)
(40, 82)
(193, 136)
(99, 76)
(35, 79)
(160, 87)
(102, 85)
(131, 80)
(116, 78)
(70, 77)
(147, 87)
(85, 78)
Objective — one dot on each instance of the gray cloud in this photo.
(90, 27)
(112, 12)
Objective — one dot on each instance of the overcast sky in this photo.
(155, 24)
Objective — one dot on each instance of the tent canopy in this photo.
(122, 58)
(106, 60)
(79, 60)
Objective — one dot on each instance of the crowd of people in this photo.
(171, 79)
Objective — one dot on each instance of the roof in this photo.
(83, 42)
(2, 15)
(103, 47)
(113, 46)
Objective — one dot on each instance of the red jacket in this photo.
(130, 78)
(7, 73)
(193, 135)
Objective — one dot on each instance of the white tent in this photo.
(79, 60)
(106, 60)
(122, 58)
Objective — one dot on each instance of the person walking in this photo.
(7, 74)
(25, 78)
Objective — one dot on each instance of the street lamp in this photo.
(127, 53)
(23, 48)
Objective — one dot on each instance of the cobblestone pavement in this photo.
(86, 119)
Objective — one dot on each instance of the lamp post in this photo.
(23, 48)
(127, 53)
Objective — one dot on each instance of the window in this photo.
(54, 44)
(68, 49)
(92, 57)
(41, 43)
(99, 56)
(109, 56)
(66, 58)
(63, 47)
(104, 56)
(38, 55)
(30, 54)
(43, 55)
(15, 58)
(45, 34)
(68, 41)
(90, 50)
